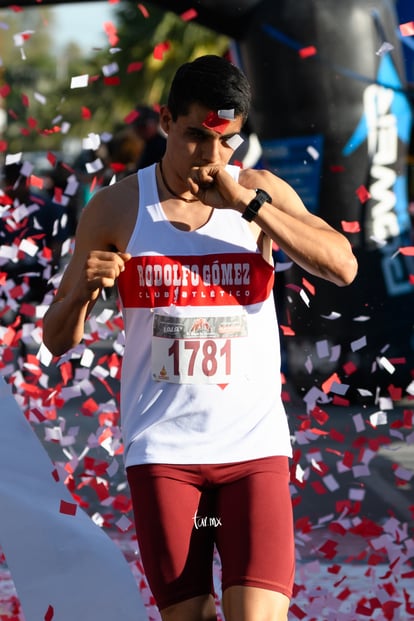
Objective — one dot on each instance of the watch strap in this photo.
(253, 207)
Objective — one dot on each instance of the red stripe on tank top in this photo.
(219, 280)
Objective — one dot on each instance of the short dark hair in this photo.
(213, 82)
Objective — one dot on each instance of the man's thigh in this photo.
(255, 540)
(177, 556)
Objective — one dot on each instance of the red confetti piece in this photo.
(298, 612)
(111, 33)
(68, 508)
(287, 331)
(350, 227)
(308, 286)
(66, 371)
(319, 489)
(89, 407)
(349, 367)
(305, 52)
(320, 416)
(337, 400)
(51, 158)
(348, 459)
(113, 80)
(344, 594)
(86, 113)
(3, 145)
(327, 384)
(189, 15)
(143, 10)
(362, 194)
(160, 50)
(5, 90)
(25, 101)
(117, 167)
(50, 613)
(337, 435)
(328, 549)
(131, 116)
(407, 251)
(36, 182)
(213, 121)
(136, 66)
(407, 29)
(336, 168)
(57, 195)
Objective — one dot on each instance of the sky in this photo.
(82, 22)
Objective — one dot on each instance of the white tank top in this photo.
(201, 368)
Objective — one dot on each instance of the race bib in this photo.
(200, 349)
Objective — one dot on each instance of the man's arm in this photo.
(93, 266)
(307, 239)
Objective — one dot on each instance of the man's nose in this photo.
(211, 150)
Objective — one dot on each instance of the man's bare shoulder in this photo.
(125, 190)
(254, 178)
(111, 212)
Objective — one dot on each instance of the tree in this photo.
(145, 48)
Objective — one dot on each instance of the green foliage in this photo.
(35, 122)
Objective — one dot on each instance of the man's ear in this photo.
(165, 119)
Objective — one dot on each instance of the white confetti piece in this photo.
(87, 358)
(332, 316)
(226, 114)
(304, 297)
(92, 142)
(312, 152)
(20, 38)
(356, 494)
(8, 252)
(235, 141)
(40, 98)
(79, 81)
(123, 523)
(13, 158)
(385, 364)
(72, 185)
(95, 166)
(28, 247)
(339, 388)
(385, 48)
(359, 343)
(410, 388)
(378, 418)
(358, 422)
(105, 315)
(330, 482)
(110, 69)
(322, 349)
(403, 473)
(282, 267)
(26, 169)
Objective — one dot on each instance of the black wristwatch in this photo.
(253, 207)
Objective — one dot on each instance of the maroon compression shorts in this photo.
(244, 508)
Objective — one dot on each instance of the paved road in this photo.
(352, 491)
